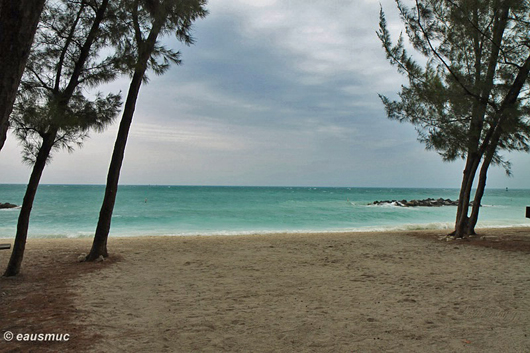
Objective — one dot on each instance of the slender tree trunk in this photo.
(468, 177)
(475, 152)
(18, 24)
(478, 111)
(99, 245)
(509, 101)
(481, 187)
(13, 267)
(145, 49)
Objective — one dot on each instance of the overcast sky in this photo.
(272, 93)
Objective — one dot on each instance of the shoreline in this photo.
(392, 229)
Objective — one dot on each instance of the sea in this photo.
(71, 211)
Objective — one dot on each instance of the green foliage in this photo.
(66, 61)
(32, 121)
(140, 19)
(475, 49)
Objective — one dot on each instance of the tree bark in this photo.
(475, 152)
(509, 101)
(18, 24)
(462, 219)
(481, 187)
(145, 48)
(13, 267)
(48, 140)
(99, 245)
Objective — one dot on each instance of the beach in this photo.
(331, 292)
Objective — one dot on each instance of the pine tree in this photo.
(150, 19)
(470, 99)
(51, 111)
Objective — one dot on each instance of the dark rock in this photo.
(429, 202)
(7, 205)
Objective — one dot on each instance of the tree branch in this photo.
(66, 46)
(435, 52)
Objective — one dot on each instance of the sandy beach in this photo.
(356, 292)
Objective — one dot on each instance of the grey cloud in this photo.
(272, 93)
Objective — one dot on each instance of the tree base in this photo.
(94, 255)
(11, 271)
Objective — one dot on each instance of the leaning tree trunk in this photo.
(462, 218)
(475, 153)
(481, 187)
(509, 101)
(18, 24)
(99, 245)
(13, 267)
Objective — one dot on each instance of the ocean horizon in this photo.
(71, 210)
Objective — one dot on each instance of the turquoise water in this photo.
(72, 210)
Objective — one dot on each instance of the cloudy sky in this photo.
(272, 93)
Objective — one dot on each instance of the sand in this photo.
(357, 292)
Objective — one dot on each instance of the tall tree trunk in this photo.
(468, 177)
(475, 152)
(508, 102)
(48, 140)
(18, 24)
(481, 187)
(13, 267)
(99, 245)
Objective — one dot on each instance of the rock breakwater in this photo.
(418, 203)
(7, 205)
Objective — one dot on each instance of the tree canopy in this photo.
(53, 109)
(470, 99)
(66, 62)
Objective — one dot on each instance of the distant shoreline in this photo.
(287, 233)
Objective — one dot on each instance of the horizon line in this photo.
(267, 186)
